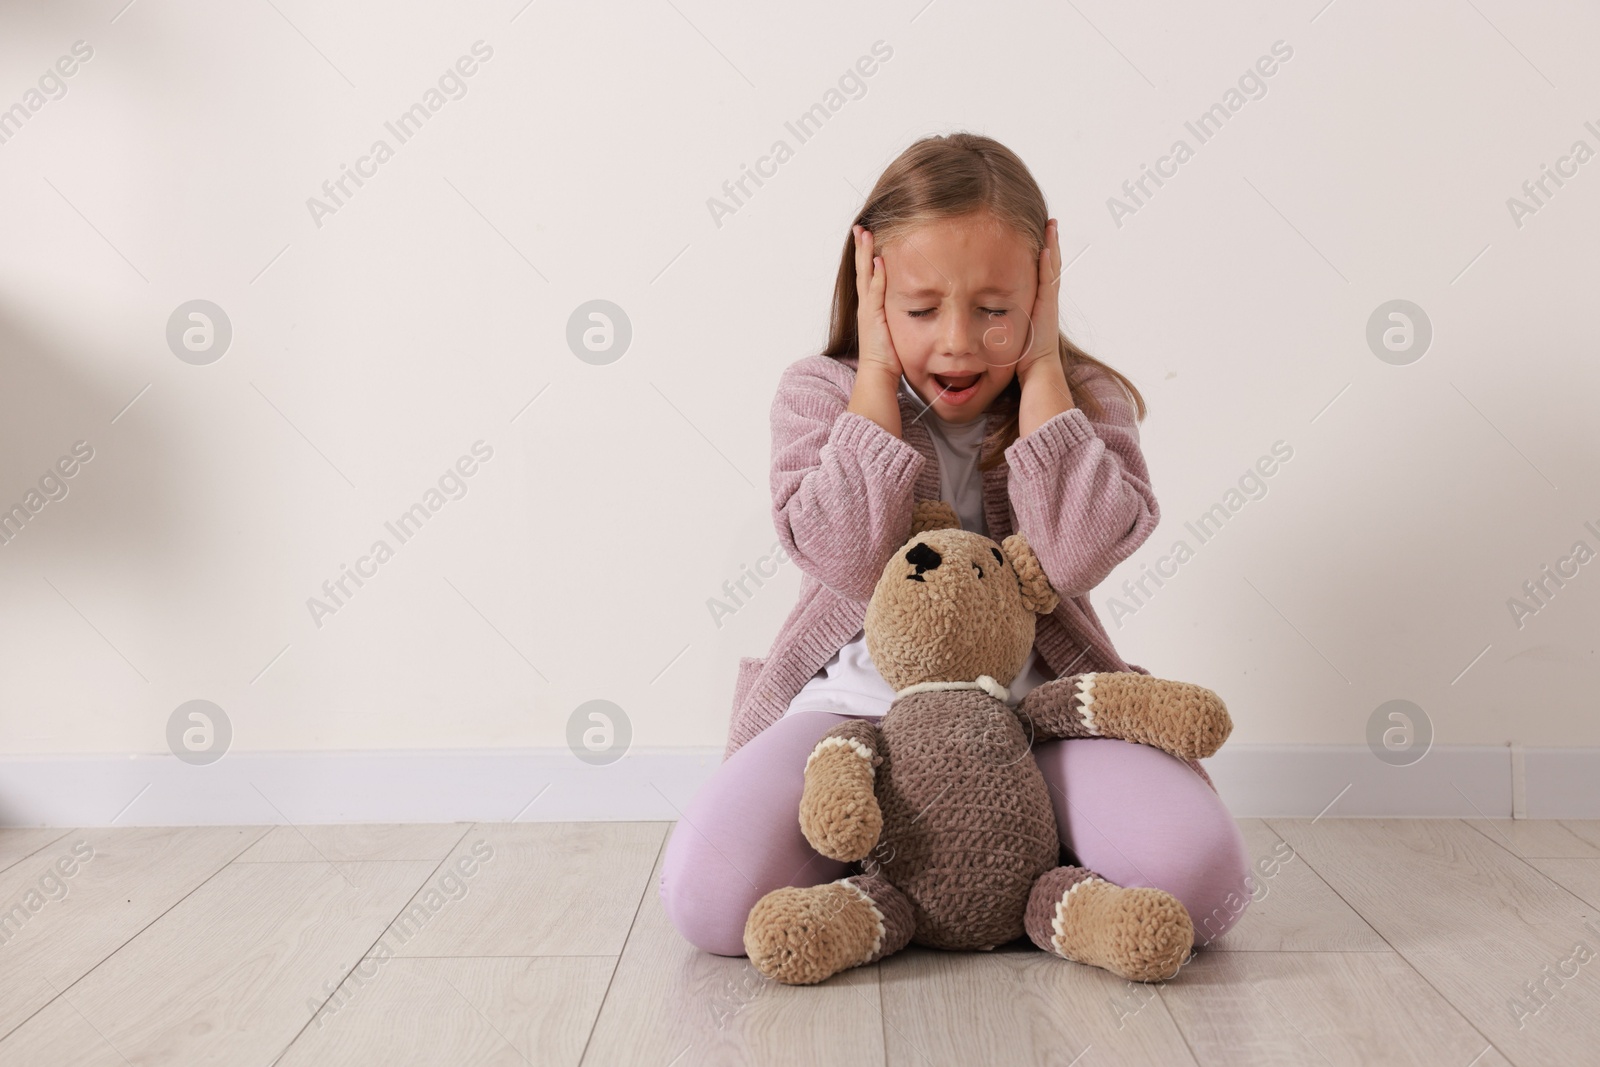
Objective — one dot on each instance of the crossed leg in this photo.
(1132, 814)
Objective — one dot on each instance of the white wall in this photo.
(371, 351)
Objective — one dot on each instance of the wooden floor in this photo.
(1406, 941)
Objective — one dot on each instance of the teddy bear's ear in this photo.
(1037, 593)
(933, 515)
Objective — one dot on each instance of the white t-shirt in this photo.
(849, 683)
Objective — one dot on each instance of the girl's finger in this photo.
(864, 261)
(855, 237)
(1051, 254)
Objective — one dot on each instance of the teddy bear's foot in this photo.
(801, 936)
(1141, 934)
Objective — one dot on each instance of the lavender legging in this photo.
(1130, 813)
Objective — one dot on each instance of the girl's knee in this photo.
(1213, 882)
(707, 928)
(1172, 831)
(706, 912)
(739, 837)
(1204, 864)
(707, 897)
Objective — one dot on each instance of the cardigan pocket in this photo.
(749, 667)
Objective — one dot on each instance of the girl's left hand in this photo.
(1043, 341)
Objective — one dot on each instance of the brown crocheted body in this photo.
(967, 821)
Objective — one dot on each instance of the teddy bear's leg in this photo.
(801, 936)
(1142, 934)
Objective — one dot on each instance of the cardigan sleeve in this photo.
(842, 486)
(1080, 490)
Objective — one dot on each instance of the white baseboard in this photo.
(543, 785)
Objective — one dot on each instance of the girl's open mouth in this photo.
(956, 389)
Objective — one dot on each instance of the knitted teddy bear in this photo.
(941, 798)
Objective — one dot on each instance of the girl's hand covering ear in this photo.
(1044, 328)
(872, 324)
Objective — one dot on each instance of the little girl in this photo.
(947, 377)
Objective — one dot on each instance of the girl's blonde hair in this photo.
(951, 176)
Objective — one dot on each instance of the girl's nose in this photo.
(958, 338)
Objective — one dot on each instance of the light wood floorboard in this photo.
(446, 984)
(671, 1003)
(1580, 877)
(1472, 918)
(549, 889)
(232, 973)
(1588, 829)
(1019, 1005)
(1540, 838)
(499, 1010)
(1291, 909)
(1360, 1009)
(133, 876)
(1368, 941)
(356, 842)
(18, 843)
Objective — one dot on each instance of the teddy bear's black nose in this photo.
(925, 558)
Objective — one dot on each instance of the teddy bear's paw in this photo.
(839, 811)
(1141, 934)
(801, 936)
(845, 830)
(1187, 720)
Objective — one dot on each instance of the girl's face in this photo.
(958, 297)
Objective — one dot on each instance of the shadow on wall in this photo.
(55, 418)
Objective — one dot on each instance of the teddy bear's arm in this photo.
(1189, 721)
(839, 811)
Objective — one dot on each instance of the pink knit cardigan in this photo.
(843, 488)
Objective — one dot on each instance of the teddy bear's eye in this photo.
(977, 568)
(998, 557)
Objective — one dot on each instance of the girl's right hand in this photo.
(874, 345)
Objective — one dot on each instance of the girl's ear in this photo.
(1037, 593)
(932, 515)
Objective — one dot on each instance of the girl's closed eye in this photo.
(928, 311)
